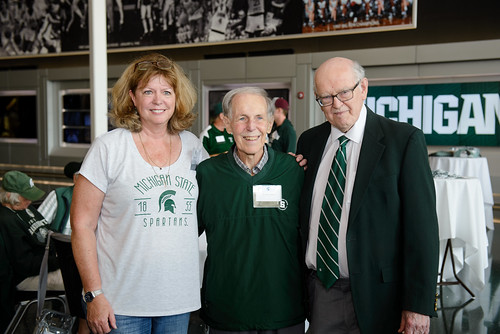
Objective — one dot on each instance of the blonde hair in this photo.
(124, 114)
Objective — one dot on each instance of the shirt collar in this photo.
(260, 165)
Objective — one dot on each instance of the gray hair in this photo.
(12, 199)
(358, 70)
(227, 102)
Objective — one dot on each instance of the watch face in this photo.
(88, 297)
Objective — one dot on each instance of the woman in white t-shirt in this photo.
(133, 216)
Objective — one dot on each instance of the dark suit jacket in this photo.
(392, 237)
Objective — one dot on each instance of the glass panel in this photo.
(76, 101)
(76, 118)
(72, 135)
(18, 115)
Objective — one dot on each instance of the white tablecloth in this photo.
(460, 212)
(472, 167)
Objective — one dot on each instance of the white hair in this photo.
(227, 102)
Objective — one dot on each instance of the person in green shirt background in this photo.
(283, 138)
(215, 138)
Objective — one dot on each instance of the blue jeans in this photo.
(174, 324)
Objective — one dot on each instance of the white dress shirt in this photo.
(353, 148)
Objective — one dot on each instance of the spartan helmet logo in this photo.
(166, 202)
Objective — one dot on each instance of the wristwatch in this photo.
(89, 296)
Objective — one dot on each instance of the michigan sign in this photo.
(458, 114)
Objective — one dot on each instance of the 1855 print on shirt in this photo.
(165, 200)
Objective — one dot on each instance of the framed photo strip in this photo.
(44, 27)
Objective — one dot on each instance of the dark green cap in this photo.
(218, 109)
(18, 182)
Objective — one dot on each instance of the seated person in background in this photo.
(215, 138)
(55, 208)
(23, 231)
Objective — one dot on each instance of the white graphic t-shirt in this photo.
(147, 232)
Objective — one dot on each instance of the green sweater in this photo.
(22, 234)
(252, 278)
(64, 196)
(21, 253)
(284, 137)
(216, 141)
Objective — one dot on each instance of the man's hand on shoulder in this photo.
(300, 159)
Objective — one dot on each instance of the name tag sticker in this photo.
(266, 196)
(220, 139)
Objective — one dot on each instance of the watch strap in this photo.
(96, 293)
(90, 295)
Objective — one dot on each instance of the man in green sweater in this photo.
(215, 138)
(283, 138)
(248, 207)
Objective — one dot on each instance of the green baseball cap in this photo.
(18, 182)
(218, 109)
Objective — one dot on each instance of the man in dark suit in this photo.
(388, 244)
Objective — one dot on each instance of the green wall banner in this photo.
(457, 114)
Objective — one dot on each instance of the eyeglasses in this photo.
(147, 64)
(342, 96)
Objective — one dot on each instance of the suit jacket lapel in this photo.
(371, 152)
(317, 145)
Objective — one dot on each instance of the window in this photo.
(76, 121)
(76, 116)
(18, 116)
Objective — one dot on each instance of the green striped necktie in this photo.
(327, 256)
